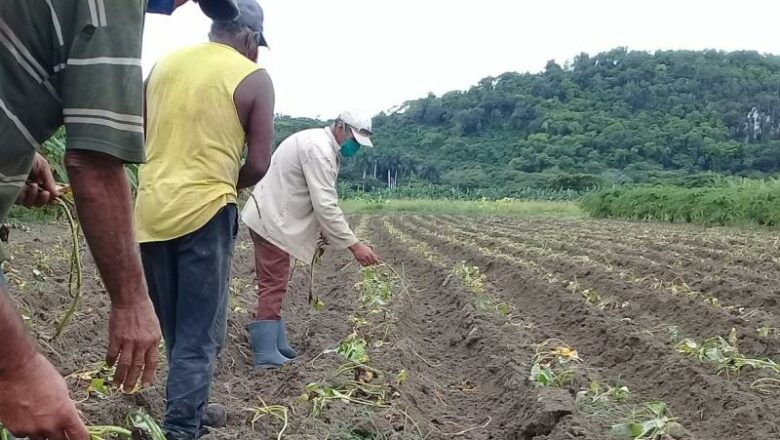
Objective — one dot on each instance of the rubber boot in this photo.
(281, 342)
(263, 335)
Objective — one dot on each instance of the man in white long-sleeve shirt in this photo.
(298, 201)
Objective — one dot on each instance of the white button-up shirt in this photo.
(298, 199)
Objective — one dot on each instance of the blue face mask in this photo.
(160, 7)
(349, 148)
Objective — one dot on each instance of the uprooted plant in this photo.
(365, 385)
(470, 277)
(75, 275)
(359, 389)
(137, 422)
(768, 332)
(554, 364)
(319, 251)
(377, 396)
(724, 354)
(98, 378)
(278, 412)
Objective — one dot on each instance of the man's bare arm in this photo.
(254, 99)
(17, 348)
(104, 206)
(34, 400)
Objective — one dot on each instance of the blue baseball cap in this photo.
(219, 10)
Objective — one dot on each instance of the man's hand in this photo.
(34, 403)
(364, 255)
(40, 189)
(133, 338)
(104, 206)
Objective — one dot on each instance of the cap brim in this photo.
(361, 138)
(263, 41)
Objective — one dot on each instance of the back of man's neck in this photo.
(226, 42)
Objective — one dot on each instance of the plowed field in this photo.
(454, 323)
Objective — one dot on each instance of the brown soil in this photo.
(617, 342)
(751, 282)
(467, 367)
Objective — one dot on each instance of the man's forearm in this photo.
(335, 226)
(16, 348)
(249, 175)
(104, 206)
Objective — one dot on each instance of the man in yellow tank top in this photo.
(204, 105)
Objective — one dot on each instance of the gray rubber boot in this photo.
(281, 341)
(263, 335)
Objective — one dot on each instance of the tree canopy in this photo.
(619, 116)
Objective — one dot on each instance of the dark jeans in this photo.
(188, 283)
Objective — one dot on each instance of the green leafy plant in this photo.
(376, 288)
(600, 392)
(651, 422)
(353, 348)
(99, 379)
(109, 432)
(141, 420)
(603, 400)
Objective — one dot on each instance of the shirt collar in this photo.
(222, 45)
(335, 145)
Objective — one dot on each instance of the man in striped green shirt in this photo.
(77, 63)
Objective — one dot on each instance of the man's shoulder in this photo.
(184, 53)
(314, 134)
(311, 142)
(314, 139)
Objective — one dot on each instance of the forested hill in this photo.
(625, 116)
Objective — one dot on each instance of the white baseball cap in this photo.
(360, 126)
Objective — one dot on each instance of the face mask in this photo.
(160, 7)
(349, 148)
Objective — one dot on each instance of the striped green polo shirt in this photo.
(71, 62)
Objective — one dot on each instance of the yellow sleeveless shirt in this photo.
(194, 141)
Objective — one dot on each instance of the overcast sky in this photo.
(370, 55)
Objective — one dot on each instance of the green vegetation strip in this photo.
(506, 207)
(747, 203)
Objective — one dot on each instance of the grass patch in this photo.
(504, 207)
(20, 214)
(743, 203)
